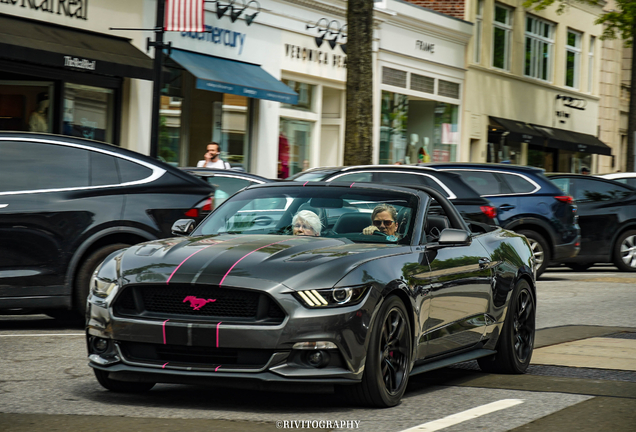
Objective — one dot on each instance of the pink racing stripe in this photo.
(217, 334)
(164, 366)
(164, 331)
(246, 255)
(175, 270)
(217, 368)
(352, 185)
(305, 183)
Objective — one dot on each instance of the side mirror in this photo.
(454, 237)
(183, 227)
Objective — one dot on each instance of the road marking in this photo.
(463, 416)
(44, 334)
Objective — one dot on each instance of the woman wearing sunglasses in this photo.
(384, 219)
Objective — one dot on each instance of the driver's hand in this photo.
(369, 230)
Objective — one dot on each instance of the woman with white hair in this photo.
(306, 223)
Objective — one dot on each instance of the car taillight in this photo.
(202, 208)
(489, 211)
(565, 198)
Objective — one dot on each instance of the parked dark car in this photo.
(529, 203)
(607, 216)
(225, 182)
(244, 300)
(67, 203)
(478, 211)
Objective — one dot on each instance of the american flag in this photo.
(184, 15)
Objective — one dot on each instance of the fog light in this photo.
(100, 345)
(318, 359)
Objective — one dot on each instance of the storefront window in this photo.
(393, 128)
(170, 130)
(305, 95)
(25, 106)
(88, 112)
(234, 143)
(417, 131)
(293, 147)
(573, 162)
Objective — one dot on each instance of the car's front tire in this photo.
(121, 386)
(540, 249)
(625, 251)
(87, 268)
(388, 363)
(516, 341)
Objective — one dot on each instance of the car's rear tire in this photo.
(579, 267)
(84, 273)
(388, 363)
(121, 386)
(625, 251)
(540, 249)
(516, 341)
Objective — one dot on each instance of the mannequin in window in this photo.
(39, 120)
(411, 150)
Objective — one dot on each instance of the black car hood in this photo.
(256, 261)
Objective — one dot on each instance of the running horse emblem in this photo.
(197, 303)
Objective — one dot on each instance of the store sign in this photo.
(75, 62)
(69, 8)
(317, 56)
(425, 46)
(218, 35)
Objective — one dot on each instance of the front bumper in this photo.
(191, 351)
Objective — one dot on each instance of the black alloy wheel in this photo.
(540, 249)
(516, 342)
(388, 359)
(625, 251)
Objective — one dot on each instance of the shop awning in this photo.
(519, 131)
(573, 141)
(46, 44)
(233, 77)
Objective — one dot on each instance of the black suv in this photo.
(607, 215)
(478, 211)
(528, 203)
(67, 203)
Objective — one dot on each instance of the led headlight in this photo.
(331, 297)
(101, 287)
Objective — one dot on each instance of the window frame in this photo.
(575, 50)
(590, 64)
(479, 17)
(506, 27)
(537, 41)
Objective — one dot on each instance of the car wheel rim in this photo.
(537, 251)
(524, 326)
(628, 251)
(394, 350)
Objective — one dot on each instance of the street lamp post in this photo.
(156, 89)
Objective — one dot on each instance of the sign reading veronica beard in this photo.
(70, 8)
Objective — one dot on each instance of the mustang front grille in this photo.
(202, 302)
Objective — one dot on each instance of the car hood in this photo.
(251, 261)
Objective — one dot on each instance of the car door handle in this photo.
(483, 262)
(506, 207)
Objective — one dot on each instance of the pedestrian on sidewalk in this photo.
(212, 159)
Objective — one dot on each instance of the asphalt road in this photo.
(46, 385)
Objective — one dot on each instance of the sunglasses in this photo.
(387, 223)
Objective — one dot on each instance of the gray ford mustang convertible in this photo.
(354, 285)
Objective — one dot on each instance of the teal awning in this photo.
(233, 77)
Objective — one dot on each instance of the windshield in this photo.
(359, 215)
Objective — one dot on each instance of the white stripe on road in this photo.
(464, 415)
(44, 334)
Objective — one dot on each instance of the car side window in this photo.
(517, 183)
(49, 166)
(225, 187)
(408, 179)
(131, 171)
(563, 184)
(592, 190)
(103, 169)
(484, 182)
(363, 177)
